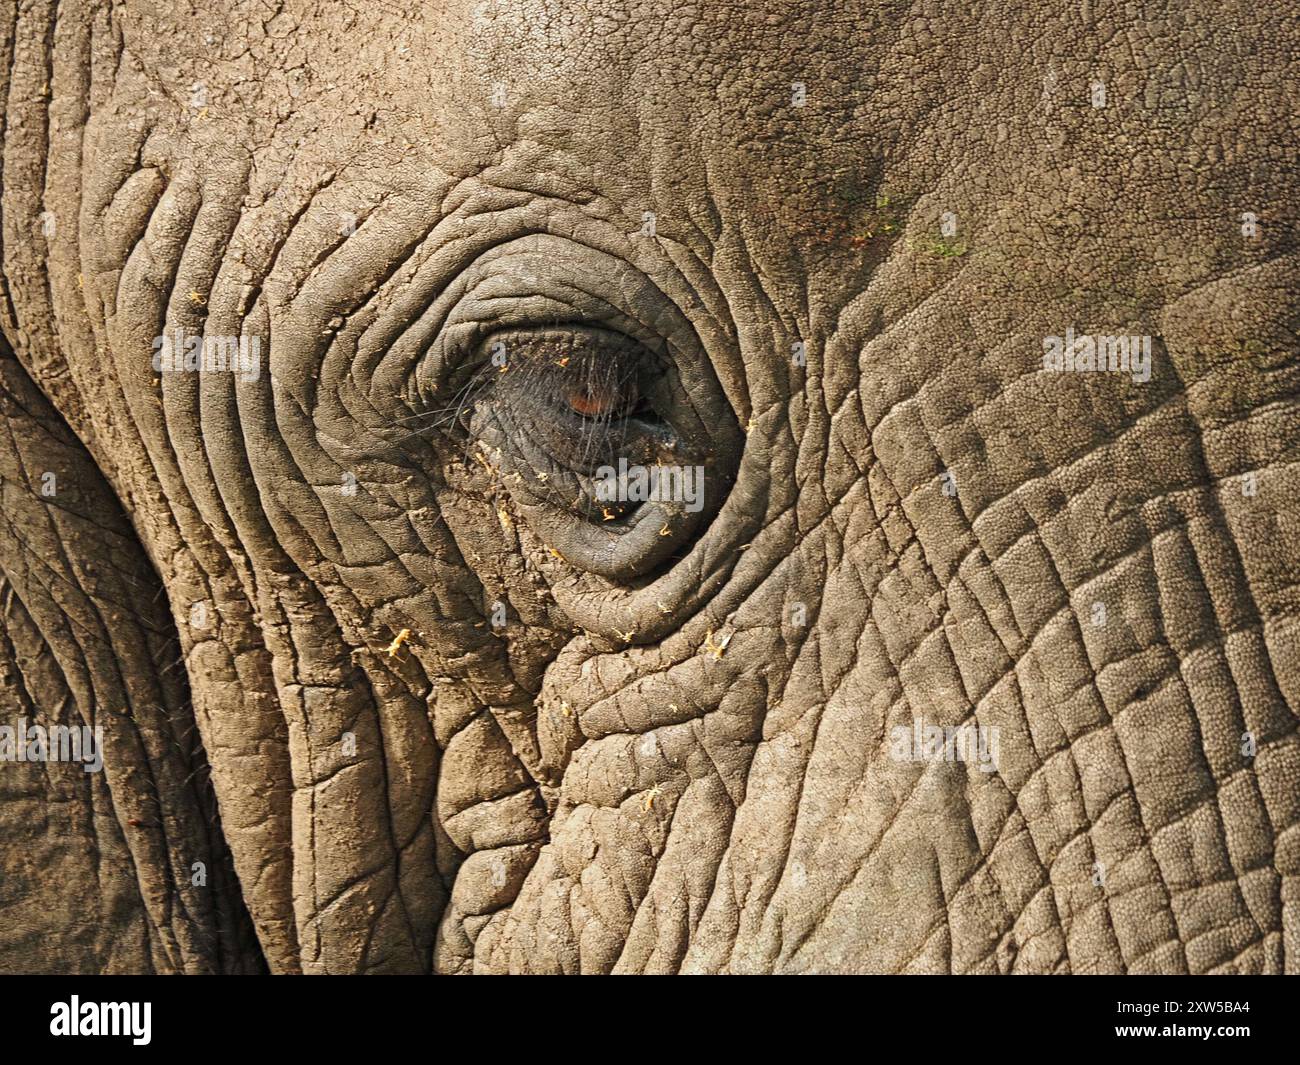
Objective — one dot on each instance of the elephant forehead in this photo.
(774, 120)
(747, 82)
(760, 108)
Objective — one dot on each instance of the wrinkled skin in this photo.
(669, 757)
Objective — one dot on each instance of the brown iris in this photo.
(597, 401)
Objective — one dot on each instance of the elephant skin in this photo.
(963, 661)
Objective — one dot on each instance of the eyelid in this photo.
(534, 281)
(570, 359)
(549, 438)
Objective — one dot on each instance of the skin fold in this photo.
(363, 644)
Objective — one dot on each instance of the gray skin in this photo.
(433, 717)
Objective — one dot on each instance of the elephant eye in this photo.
(569, 399)
(571, 416)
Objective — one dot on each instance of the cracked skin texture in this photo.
(685, 769)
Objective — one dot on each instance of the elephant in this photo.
(501, 486)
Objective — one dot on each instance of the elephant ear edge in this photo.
(119, 866)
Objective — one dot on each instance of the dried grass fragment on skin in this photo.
(401, 638)
(716, 648)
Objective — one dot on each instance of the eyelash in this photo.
(528, 390)
(545, 409)
(553, 369)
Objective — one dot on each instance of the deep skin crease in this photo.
(839, 233)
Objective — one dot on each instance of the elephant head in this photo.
(547, 488)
